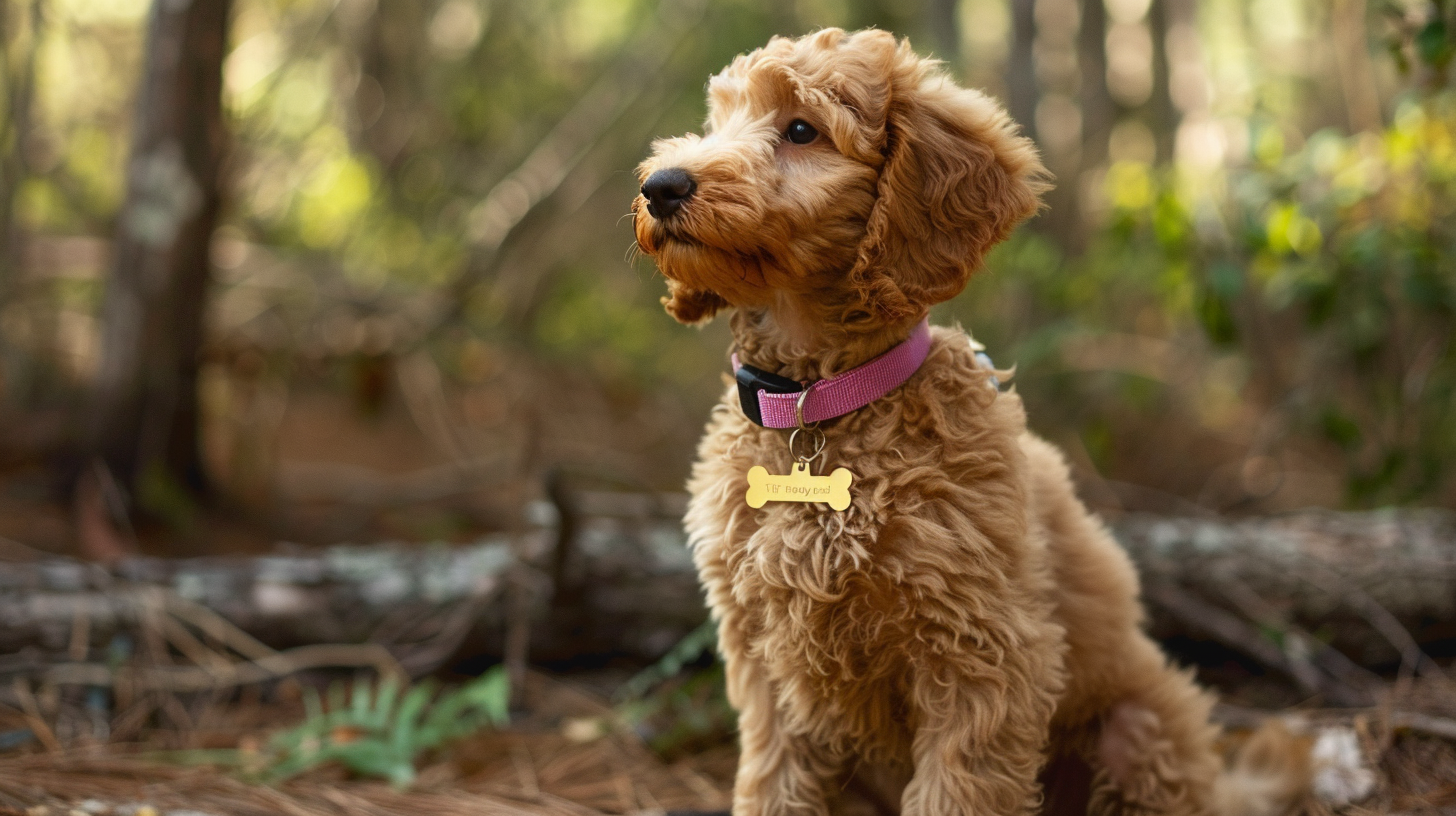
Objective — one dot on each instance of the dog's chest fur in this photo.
(837, 609)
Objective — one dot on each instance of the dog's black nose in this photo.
(666, 190)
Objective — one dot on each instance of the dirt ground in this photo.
(568, 753)
(561, 756)
(567, 750)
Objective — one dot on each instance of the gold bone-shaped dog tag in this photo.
(799, 486)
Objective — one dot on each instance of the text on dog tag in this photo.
(799, 486)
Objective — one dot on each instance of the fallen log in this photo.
(1314, 595)
(1403, 560)
(630, 590)
(1335, 588)
(343, 594)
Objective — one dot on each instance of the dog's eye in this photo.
(801, 132)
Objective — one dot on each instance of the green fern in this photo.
(380, 730)
(676, 711)
(702, 640)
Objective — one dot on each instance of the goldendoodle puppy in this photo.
(964, 635)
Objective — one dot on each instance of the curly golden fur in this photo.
(965, 638)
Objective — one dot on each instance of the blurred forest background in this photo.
(383, 290)
(356, 273)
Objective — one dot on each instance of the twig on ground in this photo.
(1232, 631)
(133, 716)
(80, 634)
(176, 712)
(421, 658)
(1322, 655)
(568, 519)
(190, 647)
(1443, 727)
(518, 630)
(172, 679)
(33, 718)
(217, 627)
(525, 771)
(710, 795)
(1412, 657)
(425, 400)
(1250, 718)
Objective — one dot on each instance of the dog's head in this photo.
(841, 166)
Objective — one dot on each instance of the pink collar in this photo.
(773, 401)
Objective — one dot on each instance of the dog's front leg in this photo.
(779, 773)
(979, 744)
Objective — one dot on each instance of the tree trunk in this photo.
(1099, 112)
(945, 33)
(143, 421)
(1357, 75)
(19, 92)
(1021, 84)
(394, 58)
(1162, 112)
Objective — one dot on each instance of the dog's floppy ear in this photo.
(957, 178)
(691, 306)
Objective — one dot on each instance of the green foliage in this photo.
(1305, 278)
(160, 494)
(1321, 270)
(1426, 38)
(685, 714)
(382, 729)
(1330, 269)
(694, 646)
(675, 707)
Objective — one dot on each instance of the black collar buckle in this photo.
(751, 380)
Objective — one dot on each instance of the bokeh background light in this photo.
(1239, 300)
